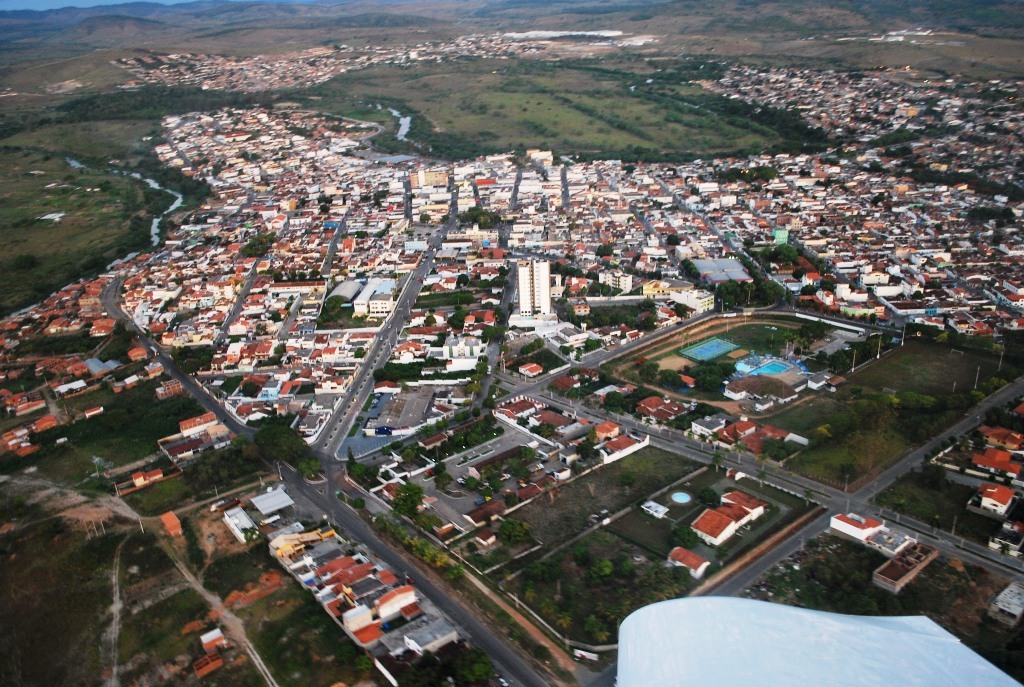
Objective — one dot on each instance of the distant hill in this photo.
(112, 26)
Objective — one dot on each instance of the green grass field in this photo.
(98, 141)
(471, 106)
(911, 495)
(41, 255)
(926, 369)
(918, 367)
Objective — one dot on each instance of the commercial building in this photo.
(534, 287)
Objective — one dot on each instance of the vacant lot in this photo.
(565, 511)
(938, 503)
(126, 432)
(57, 592)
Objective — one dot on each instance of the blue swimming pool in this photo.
(775, 367)
(681, 497)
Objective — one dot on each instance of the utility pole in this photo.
(977, 375)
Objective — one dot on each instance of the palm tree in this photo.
(716, 460)
(808, 493)
(563, 621)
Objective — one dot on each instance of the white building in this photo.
(534, 287)
(698, 300)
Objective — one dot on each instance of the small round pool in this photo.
(681, 497)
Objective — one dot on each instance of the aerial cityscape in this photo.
(489, 344)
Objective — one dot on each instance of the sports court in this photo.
(708, 350)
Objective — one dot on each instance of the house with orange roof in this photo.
(171, 524)
(996, 461)
(737, 509)
(695, 563)
(993, 500)
(1002, 437)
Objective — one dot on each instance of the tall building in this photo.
(534, 287)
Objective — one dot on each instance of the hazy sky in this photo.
(57, 4)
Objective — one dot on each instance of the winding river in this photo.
(154, 228)
(404, 124)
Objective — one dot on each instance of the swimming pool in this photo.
(681, 497)
(774, 367)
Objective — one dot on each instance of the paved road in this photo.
(505, 657)
(334, 434)
(506, 660)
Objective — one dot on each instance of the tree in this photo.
(600, 570)
(514, 532)
(669, 379)
(424, 218)
(685, 536)
(708, 496)
(717, 460)
(442, 480)
(308, 467)
(648, 372)
(472, 666)
(277, 441)
(408, 499)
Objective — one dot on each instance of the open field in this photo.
(98, 141)
(95, 227)
(156, 631)
(938, 505)
(565, 510)
(867, 445)
(58, 585)
(127, 431)
(462, 107)
(299, 641)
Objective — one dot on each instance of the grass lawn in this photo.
(565, 510)
(156, 631)
(639, 528)
(912, 495)
(161, 497)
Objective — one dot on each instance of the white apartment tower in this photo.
(534, 287)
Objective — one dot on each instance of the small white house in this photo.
(655, 510)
